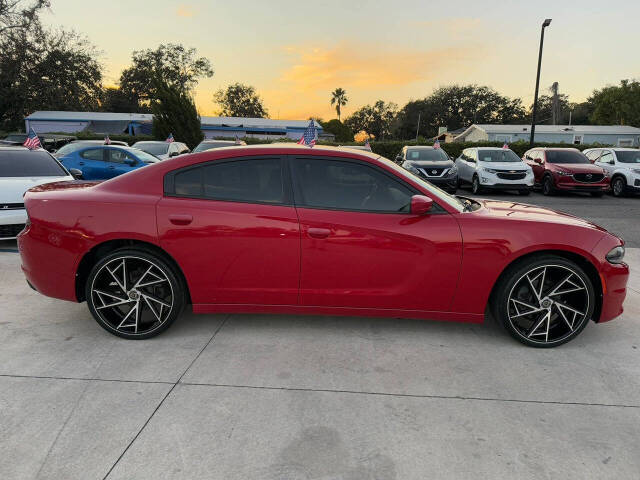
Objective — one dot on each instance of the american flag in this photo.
(366, 144)
(107, 140)
(436, 144)
(32, 142)
(309, 135)
(238, 142)
(170, 138)
(505, 146)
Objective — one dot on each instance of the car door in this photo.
(119, 162)
(362, 248)
(464, 169)
(607, 162)
(91, 162)
(232, 228)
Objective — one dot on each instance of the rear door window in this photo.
(96, 154)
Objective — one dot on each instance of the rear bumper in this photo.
(42, 266)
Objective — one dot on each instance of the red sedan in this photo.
(290, 229)
(566, 169)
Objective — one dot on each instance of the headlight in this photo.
(636, 170)
(564, 174)
(490, 170)
(453, 170)
(616, 255)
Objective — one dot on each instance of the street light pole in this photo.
(545, 24)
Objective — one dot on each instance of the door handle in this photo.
(111, 167)
(177, 219)
(80, 163)
(319, 232)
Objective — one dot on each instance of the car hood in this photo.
(430, 163)
(578, 167)
(519, 166)
(523, 211)
(12, 188)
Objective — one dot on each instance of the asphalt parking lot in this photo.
(294, 397)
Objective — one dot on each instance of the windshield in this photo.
(154, 148)
(209, 145)
(450, 200)
(144, 156)
(28, 163)
(566, 156)
(496, 156)
(628, 156)
(16, 137)
(430, 154)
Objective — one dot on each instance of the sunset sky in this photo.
(296, 53)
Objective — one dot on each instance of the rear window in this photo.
(497, 156)
(159, 148)
(26, 163)
(435, 154)
(566, 156)
(208, 145)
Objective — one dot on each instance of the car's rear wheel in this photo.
(134, 294)
(547, 186)
(475, 185)
(618, 186)
(544, 301)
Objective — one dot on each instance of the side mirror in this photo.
(130, 161)
(538, 160)
(421, 205)
(75, 173)
(398, 159)
(612, 162)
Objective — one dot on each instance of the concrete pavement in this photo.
(294, 397)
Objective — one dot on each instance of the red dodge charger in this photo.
(292, 229)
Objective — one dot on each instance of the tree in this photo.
(377, 120)
(19, 15)
(46, 70)
(617, 105)
(174, 111)
(339, 98)
(458, 106)
(339, 129)
(240, 100)
(176, 65)
(115, 100)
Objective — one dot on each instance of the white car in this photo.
(493, 168)
(162, 150)
(622, 165)
(21, 169)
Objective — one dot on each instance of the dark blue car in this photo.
(99, 162)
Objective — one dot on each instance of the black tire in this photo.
(597, 194)
(524, 192)
(618, 186)
(158, 283)
(475, 185)
(513, 285)
(547, 186)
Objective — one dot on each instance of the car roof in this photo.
(13, 148)
(164, 142)
(218, 141)
(491, 148)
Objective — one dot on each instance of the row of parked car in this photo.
(596, 171)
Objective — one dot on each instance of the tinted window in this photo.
(566, 156)
(494, 156)
(93, 154)
(348, 185)
(628, 156)
(24, 163)
(253, 181)
(435, 154)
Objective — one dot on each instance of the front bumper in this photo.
(613, 279)
(445, 183)
(493, 181)
(11, 223)
(569, 183)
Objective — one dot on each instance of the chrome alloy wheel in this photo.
(132, 295)
(548, 303)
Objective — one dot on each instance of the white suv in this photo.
(622, 165)
(494, 168)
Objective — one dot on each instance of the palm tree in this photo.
(339, 98)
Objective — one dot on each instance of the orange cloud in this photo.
(184, 11)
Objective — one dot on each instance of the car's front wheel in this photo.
(618, 186)
(475, 185)
(547, 186)
(544, 301)
(134, 293)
